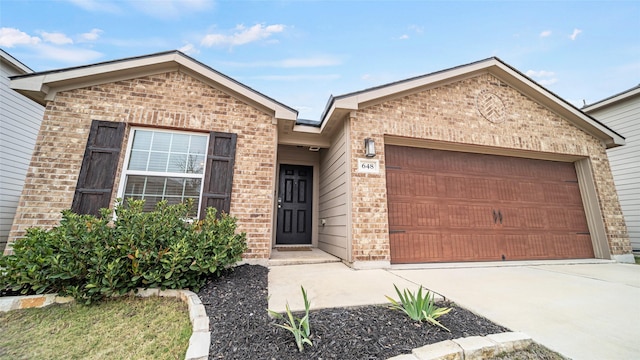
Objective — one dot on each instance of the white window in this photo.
(164, 165)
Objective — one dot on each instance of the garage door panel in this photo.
(451, 206)
(469, 217)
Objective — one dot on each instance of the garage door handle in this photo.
(495, 217)
(500, 216)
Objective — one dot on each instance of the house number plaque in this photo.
(371, 166)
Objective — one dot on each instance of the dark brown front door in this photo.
(294, 205)
(454, 206)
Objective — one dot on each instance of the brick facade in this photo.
(448, 113)
(172, 100)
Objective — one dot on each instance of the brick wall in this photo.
(170, 100)
(448, 113)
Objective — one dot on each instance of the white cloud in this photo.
(11, 37)
(366, 77)
(403, 37)
(168, 9)
(575, 34)
(547, 82)
(56, 38)
(96, 5)
(417, 29)
(189, 49)
(543, 77)
(243, 35)
(545, 33)
(67, 55)
(92, 35)
(539, 74)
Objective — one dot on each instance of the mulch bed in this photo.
(241, 328)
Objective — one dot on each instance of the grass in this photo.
(125, 328)
(637, 259)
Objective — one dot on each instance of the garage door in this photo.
(454, 206)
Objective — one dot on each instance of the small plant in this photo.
(418, 307)
(299, 327)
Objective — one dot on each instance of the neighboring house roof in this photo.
(612, 99)
(19, 67)
(338, 106)
(43, 86)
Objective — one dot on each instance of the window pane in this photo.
(155, 185)
(134, 186)
(192, 188)
(174, 187)
(198, 145)
(161, 141)
(179, 163)
(198, 164)
(138, 160)
(155, 188)
(158, 162)
(180, 143)
(142, 140)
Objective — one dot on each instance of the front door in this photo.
(294, 205)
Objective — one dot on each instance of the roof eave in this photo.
(42, 87)
(495, 66)
(613, 99)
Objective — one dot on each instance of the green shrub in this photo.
(91, 258)
(418, 307)
(299, 327)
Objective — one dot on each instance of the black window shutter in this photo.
(99, 167)
(216, 191)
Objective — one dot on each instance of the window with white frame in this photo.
(164, 165)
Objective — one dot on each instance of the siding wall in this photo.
(333, 236)
(624, 118)
(20, 120)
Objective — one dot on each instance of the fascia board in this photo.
(551, 101)
(280, 111)
(93, 75)
(353, 102)
(615, 99)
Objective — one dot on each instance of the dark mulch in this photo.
(241, 328)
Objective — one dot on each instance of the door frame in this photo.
(291, 155)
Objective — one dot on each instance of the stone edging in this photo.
(200, 338)
(469, 348)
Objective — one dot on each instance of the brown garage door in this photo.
(454, 206)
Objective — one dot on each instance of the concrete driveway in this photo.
(582, 310)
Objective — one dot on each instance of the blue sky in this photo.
(301, 52)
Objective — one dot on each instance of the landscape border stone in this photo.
(469, 348)
(200, 337)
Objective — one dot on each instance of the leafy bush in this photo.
(418, 307)
(91, 258)
(299, 327)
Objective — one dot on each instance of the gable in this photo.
(339, 106)
(43, 86)
(482, 110)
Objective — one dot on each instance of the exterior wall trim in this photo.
(592, 209)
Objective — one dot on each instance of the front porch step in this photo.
(315, 256)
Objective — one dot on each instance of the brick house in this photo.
(473, 163)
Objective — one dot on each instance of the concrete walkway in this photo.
(582, 310)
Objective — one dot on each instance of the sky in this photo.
(301, 52)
